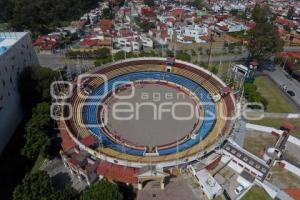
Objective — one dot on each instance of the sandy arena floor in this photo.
(145, 127)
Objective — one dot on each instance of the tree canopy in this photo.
(252, 95)
(34, 85)
(149, 3)
(38, 186)
(183, 56)
(37, 132)
(197, 3)
(261, 14)
(102, 190)
(263, 40)
(42, 16)
(35, 186)
(291, 12)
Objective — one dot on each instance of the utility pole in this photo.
(210, 47)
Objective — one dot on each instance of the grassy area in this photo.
(276, 102)
(256, 142)
(283, 178)
(224, 67)
(4, 27)
(256, 193)
(276, 123)
(38, 163)
(218, 198)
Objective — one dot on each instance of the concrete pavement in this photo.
(56, 61)
(279, 76)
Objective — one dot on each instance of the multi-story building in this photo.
(16, 53)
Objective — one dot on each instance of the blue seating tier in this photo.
(90, 111)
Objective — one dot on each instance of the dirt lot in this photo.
(256, 142)
(283, 178)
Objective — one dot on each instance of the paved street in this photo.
(56, 61)
(239, 132)
(280, 77)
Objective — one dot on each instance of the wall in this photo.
(12, 62)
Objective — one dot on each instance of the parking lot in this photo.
(227, 178)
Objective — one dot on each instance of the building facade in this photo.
(16, 53)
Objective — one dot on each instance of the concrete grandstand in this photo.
(137, 145)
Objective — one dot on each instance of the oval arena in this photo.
(147, 112)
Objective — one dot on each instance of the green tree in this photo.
(35, 186)
(149, 3)
(42, 16)
(119, 55)
(68, 193)
(291, 12)
(260, 14)
(146, 26)
(102, 190)
(170, 53)
(183, 56)
(197, 4)
(34, 85)
(37, 132)
(264, 41)
(148, 54)
(214, 69)
(38, 186)
(252, 95)
(6, 11)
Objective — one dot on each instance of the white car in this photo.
(239, 189)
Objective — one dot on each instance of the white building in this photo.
(16, 53)
(194, 31)
(208, 184)
(128, 44)
(229, 26)
(190, 31)
(235, 27)
(146, 42)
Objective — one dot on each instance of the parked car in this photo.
(239, 189)
(291, 93)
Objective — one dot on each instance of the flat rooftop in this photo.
(8, 39)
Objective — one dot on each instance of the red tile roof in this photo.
(285, 22)
(294, 193)
(105, 24)
(67, 142)
(45, 42)
(294, 54)
(88, 42)
(88, 141)
(117, 172)
(288, 126)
